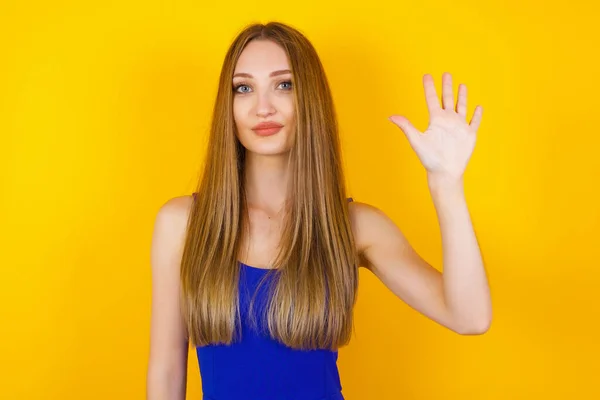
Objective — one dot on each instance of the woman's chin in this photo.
(267, 146)
(268, 151)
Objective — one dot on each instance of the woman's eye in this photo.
(288, 82)
(239, 86)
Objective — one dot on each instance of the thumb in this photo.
(407, 127)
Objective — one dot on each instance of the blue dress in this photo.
(257, 367)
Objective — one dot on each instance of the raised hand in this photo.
(446, 146)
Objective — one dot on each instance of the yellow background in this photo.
(104, 111)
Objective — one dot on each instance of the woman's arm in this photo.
(167, 364)
(466, 288)
(457, 299)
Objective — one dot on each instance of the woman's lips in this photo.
(267, 131)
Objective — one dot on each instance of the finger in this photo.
(476, 120)
(447, 94)
(431, 97)
(407, 127)
(461, 103)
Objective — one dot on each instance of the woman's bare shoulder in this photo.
(177, 205)
(173, 214)
(363, 217)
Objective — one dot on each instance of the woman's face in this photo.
(263, 92)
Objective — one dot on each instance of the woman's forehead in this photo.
(262, 58)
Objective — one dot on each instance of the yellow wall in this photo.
(103, 116)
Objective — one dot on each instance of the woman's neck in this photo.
(266, 181)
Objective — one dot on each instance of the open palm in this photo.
(446, 146)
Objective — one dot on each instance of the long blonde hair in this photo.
(316, 277)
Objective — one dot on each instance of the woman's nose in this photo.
(264, 105)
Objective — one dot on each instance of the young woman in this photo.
(258, 268)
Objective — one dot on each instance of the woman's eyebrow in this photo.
(274, 73)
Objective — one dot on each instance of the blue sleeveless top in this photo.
(258, 367)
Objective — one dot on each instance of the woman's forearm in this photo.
(466, 289)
